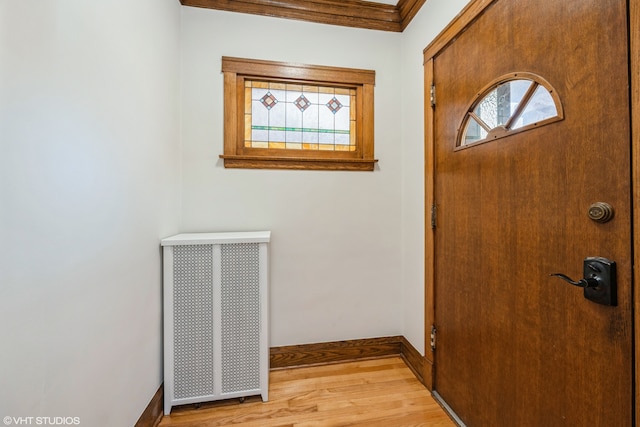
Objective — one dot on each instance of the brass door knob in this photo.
(600, 212)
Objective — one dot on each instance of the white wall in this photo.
(89, 183)
(336, 236)
(426, 25)
(348, 247)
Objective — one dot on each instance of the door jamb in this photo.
(429, 253)
(461, 21)
(634, 80)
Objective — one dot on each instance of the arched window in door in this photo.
(513, 103)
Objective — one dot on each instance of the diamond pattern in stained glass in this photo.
(334, 105)
(302, 103)
(269, 100)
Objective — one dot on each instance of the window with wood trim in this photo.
(512, 103)
(294, 116)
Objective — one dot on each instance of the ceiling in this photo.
(384, 15)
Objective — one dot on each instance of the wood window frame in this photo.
(506, 129)
(236, 155)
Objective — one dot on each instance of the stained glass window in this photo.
(296, 116)
(299, 117)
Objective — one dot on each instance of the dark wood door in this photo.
(516, 347)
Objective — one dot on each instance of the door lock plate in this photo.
(604, 271)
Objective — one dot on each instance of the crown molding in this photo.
(408, 9)
(348, 13)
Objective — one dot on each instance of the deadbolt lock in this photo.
(600, 212)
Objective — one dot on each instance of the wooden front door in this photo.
(515, 346)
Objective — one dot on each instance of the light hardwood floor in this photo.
(372, 393)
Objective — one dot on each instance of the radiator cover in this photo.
(215, 317)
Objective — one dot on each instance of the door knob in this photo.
(600, 212)
(599, 280)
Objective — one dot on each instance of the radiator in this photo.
(215, 317)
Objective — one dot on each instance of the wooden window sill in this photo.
(256, 162)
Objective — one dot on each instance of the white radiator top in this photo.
(217, 238)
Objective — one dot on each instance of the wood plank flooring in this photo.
(371, 393)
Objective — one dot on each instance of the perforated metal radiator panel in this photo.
(240, 317)
(216, 337)
(193, 321)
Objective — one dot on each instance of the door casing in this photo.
(459, 24)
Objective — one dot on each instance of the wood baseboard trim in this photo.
(344, 351)
(413, 359)
(152, 415)
(333, 352)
